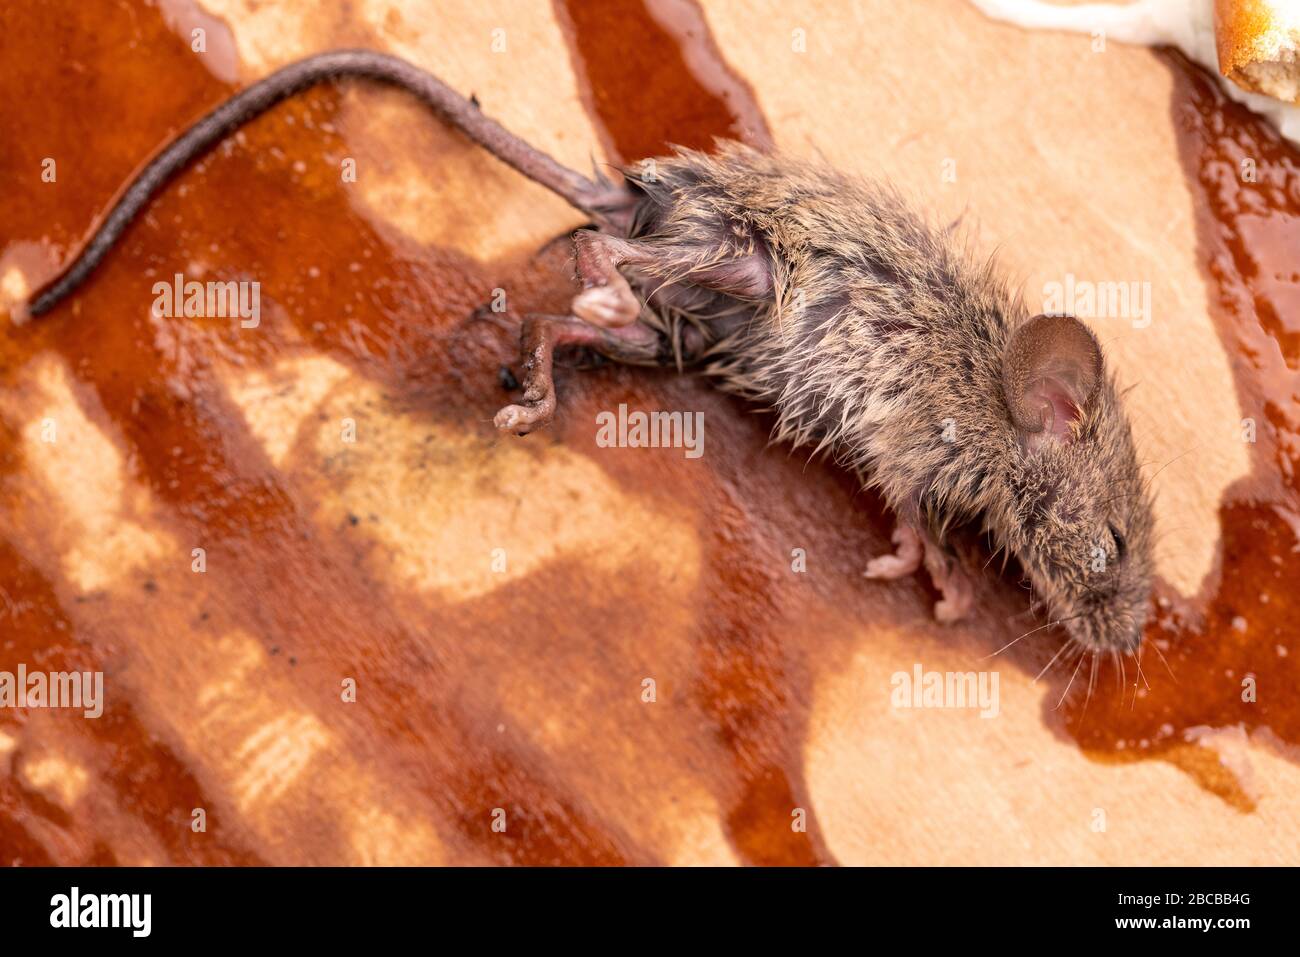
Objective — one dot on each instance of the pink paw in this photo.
(610, 306)
(949, 611)
(889, 567)
(904, 561)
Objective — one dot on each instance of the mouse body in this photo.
(872, 337)
(877, 339)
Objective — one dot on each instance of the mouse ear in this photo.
(1051, 372)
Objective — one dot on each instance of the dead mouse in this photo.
(870, 335)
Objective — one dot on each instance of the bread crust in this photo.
(1258, 44)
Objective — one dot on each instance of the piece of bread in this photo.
(1259, 45)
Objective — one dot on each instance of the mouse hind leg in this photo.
(540, 336)
(604, 319)
(663, 264)
(605, 314)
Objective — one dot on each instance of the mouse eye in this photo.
(1120, 545)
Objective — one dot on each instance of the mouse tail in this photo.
(588, 197)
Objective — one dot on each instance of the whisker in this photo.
(1070, 684)
(1092, 678)
(1166, 532)
(1053, 661)
(1141, 673)
(1027, 634)
(1142, 678)
(1156, 649)
(1175, 459)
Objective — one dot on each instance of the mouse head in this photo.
(1081, 517)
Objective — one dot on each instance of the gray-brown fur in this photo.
(881, 342)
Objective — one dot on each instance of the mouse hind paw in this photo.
(613, 305)
(539, 337)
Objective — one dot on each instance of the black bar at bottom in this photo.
(333, 905)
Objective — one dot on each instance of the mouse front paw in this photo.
(949, 611)
(913, 548)
(905, 560)
(952, 581)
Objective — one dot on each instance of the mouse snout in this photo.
(1109, 626)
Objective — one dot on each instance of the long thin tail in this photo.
(248, 104)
